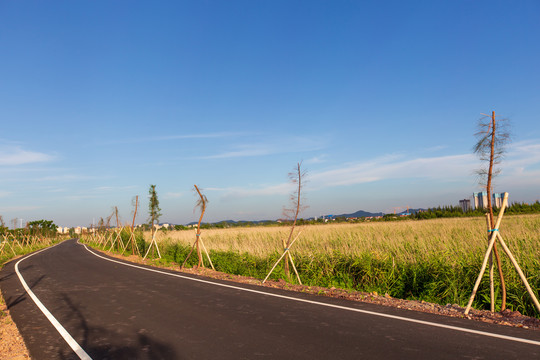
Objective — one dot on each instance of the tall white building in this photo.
(497, 200)
(480, 200)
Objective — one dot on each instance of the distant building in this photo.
(465, 205)
(480, 200)
(498, 199)
(62, 230)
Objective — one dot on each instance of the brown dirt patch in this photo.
(12, 346)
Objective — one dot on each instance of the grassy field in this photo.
(412, 241)
(433, 260)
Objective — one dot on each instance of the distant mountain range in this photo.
(357, 214)
(362, 213)
(235, 222)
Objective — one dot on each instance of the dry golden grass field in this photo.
(410, 240)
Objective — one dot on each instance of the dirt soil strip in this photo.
(12, 346)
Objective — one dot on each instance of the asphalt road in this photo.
(116, 311)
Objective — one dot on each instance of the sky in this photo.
(379, 101)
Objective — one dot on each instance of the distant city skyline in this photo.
(378, 101)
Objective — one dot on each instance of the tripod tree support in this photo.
(134, 246)
(199, 238)
(153, 242)
(154, 214)
(286, 252)
(496, 235)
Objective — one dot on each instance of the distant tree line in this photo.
(457, 211)
(45, 228)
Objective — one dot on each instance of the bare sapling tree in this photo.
(132, 234)
(108, 233)
(492, 136)
(154, 215)
(118, 229)
(101, 230)
(297, 178)
(115, 234)
(201, 204)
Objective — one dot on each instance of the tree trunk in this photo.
(490, 208)
(286, 268)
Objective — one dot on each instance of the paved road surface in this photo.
(114, 311)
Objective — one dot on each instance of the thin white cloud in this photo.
(271, 146)
(522, 154)
(65, 178)
(19, 208)
(100, 191)
(80, 197)
(108, 189)
(244, 151)
(316, 160)
(521, 165)
(177, 137)
(265, 190)
(392, 167)
(15, 155)
(436, 148)
(173, 195)
(4, 194)
(385, 167)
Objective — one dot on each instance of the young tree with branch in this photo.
(154, 214)
(297, 178)
(153, 208)
(201, 204)
(492, 136)
(135, 203)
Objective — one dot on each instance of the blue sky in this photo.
(379, 100)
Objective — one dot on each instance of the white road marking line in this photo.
(395, 317)
(63, 332)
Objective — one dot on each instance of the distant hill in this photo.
(234, 222)
(412, 211)
(357, 214)
(360, 213)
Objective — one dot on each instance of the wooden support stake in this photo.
(491, 271)
(117, 238)
(207, 255)
(6, 241)
(190, 252)
(153, 242)
(281, 257)
(518, 269)
(294, 268)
